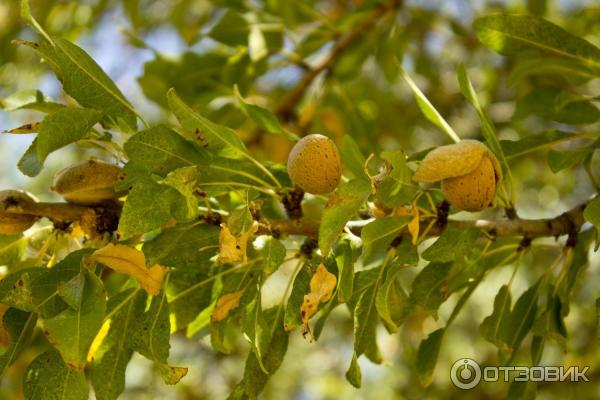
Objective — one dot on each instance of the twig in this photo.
(285, 109)
(564, 224)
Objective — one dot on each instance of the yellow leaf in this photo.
(130, 261)
(403, 211)
(77, 232)
(100, 336)
(322, 285)
(226, 303)
(413, 225)
(233, 248)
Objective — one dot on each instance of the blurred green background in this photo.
(203, 48)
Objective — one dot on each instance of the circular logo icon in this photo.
(465, 373)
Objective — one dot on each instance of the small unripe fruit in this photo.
(11, 223)
(88, 183)
(314, 164)
(468, 170)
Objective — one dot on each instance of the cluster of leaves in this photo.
(190, 257)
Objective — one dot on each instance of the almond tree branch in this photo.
(568, 223)
(285, 109)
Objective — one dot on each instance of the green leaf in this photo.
(231, 29)
(256, 330)
(550, 324)
(397, 188)
(341, 206)
(353, 158)
(215, 138)
(150, 206)
(345, 263)
(533, 142)
(301, 286)
(598, 318)
(240, 220)
(354, 375)
(84, 80)
(273, 253)
(162, 150)
(30, 99)
(379, 234)
(494, 327)
(16, 288)
(71, 292)
(522, 390)
(151, 333)
(427, 356)
(20, 326)
(522, 317)
(541, 101)
(488, 129)
(265, 119)
(510, 34)
(12, 248)
(151, 327)
(183, 246)
(559, 160)
(428, 109)
(109, 362)
(197, 77)
(63, 127)
(28, 18)
(392, 301)
(189, 292)
(537, 349)
(591, 213)
(30, 164)
(185, 180)
(365, 326)
(571, 70)
(224, 335)
(255, 379)
(453, 244)
(429, 288)
(72, 331)
(48, 377)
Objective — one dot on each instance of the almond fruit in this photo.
(314, 164)
(88, 183)
(469, 172)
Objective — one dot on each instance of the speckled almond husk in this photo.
(469, 172)
(314, 164)
(13, 224)
(88, 183)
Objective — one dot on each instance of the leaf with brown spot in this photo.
(322, 285)
(232, 248)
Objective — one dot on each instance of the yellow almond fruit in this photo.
(11, 223)
(473, 191)
(469, 172)
(450, 161)
(314, 164)
(88, 183)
